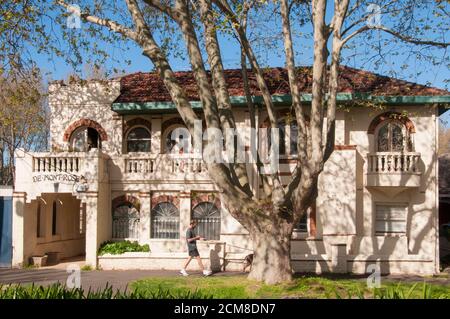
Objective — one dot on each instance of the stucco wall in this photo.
(345, 207)
(68, 239)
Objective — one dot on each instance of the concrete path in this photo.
(119, 279)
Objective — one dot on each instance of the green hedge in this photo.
(120, 247)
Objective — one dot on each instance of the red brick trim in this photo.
(177, 120)
(126, 199)
(285, 173)
(172, 121)
(88, 123)
(344, 147)
(198, 198)
(391, 116)
(156, 199)
(287, 160)
(312, 221)
(136, 122)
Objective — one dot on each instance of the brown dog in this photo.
(248, 261)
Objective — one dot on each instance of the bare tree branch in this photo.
(108, 23)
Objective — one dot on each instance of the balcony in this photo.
(391, 169)
(158, 167)
(55, 163)
(59, 172)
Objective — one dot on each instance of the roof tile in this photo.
(148, 87)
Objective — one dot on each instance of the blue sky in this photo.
(356, 56)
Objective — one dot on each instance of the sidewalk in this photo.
(95, 279)
(119, 279)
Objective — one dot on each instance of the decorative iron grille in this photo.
(125, 222)
(207, 216)
(165, 221)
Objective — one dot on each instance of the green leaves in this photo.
(59, 291)
(120, 247)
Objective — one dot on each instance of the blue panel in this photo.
(5, 231)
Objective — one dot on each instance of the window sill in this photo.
(292, 157)
(300, 235)
(389, 235)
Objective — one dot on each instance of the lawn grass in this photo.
(239, 287)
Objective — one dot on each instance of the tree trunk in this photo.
(271, 260)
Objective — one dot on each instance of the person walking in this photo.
(191, 239)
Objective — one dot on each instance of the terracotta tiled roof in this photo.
(148, 87)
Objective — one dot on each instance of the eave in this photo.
(443, 102)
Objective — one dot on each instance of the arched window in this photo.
(174, 135)
(125, 221)
(208, 217)
(84, 139)
(288, 135)
(138, 140)
(392, 136)
(165, 221)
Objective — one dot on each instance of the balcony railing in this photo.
(390, 169)
(166, 163)
(387, 162)
(55, 163)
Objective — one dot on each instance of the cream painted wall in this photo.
(68, 240)
(90, 100)
(345, 206)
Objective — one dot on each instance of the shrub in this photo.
(120, 247)
(86, 268)
(59, 291)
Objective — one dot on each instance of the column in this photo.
(92, 244)
(185, 216)
(339, 258)
(145, 219)
(339, 138)
(156, 135)
(116, 143)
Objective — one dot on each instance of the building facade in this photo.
(111, 175)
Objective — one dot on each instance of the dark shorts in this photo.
(193, 252)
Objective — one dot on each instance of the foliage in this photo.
(23, 119)
(59, 291)
(237, 287)
(86, 268)
(153, 25)
(231, 288)
(444, 139)
(120, 247)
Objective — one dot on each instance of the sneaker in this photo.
(207, 272)
(183, 272)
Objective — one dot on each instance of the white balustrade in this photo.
(392, 162)
(139, 165)
(54, 163)
(164, 163)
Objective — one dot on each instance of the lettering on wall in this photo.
(55, 178)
